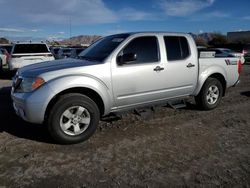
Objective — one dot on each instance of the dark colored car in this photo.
(246, 52)
(8, 47)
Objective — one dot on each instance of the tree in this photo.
(53, 43)
(218, 40)
(4, 41)
(200, 41)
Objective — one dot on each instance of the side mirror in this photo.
(126, 58)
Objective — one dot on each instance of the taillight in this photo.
(239, 66)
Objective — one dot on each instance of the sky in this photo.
(59, 19)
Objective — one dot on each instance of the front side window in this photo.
(145, 48)
(177, 48)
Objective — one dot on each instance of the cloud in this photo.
(61, 33)
(57, 12)
(182, 8)
(246, 18)
(64, 12)
(34, 30)
(134, 15)
(217, 14)
(11, 30)
(210, 16)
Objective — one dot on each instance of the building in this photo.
(239, 36)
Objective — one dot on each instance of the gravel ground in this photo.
(164, 148)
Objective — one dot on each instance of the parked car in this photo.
(234, 53)
(64, 53)
(225, 52)
(119, 73)
(246, 52)
(76, 51)
(54, 50)
(8, 47)
(6, 53)
(24, 54)
(3, 59)
(69, 52)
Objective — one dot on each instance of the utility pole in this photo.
(69, 26)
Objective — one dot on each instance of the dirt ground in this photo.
(164, 148)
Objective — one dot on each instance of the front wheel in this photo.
(210, 94)
(73, 119)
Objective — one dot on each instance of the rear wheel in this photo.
(74, 118)
(210, 94)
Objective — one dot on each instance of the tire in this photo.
(210, 94)
(73, 119)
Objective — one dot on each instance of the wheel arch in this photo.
(222, 80)
(81, 90)
(218, 76)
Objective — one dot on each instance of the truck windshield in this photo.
(101, 49)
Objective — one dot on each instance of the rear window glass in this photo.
(30, 48)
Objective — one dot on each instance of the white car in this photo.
(3, 60)
(23, 54)
(225, 52)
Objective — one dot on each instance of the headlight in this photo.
(30, 84)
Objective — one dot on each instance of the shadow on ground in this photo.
(14, 125)
(7, 75)
(245, 93)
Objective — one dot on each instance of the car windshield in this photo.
(101, 49)
(30, 48)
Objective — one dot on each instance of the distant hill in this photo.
(80, 40)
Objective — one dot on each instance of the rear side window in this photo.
(30, 48)
(146, 49)
(177, 48)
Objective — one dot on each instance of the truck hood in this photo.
(51, 66)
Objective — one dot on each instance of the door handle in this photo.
(158, 68)
(190, 65)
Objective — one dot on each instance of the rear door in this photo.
(181, 65)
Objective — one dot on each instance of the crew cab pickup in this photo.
(119, 73)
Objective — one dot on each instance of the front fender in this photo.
(61, 84)
(208, 71)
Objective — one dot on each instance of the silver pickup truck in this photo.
(119, 73)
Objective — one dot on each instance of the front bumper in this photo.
(31, 106)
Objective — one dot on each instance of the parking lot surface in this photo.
(164, 148)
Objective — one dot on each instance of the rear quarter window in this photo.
(30, 48)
